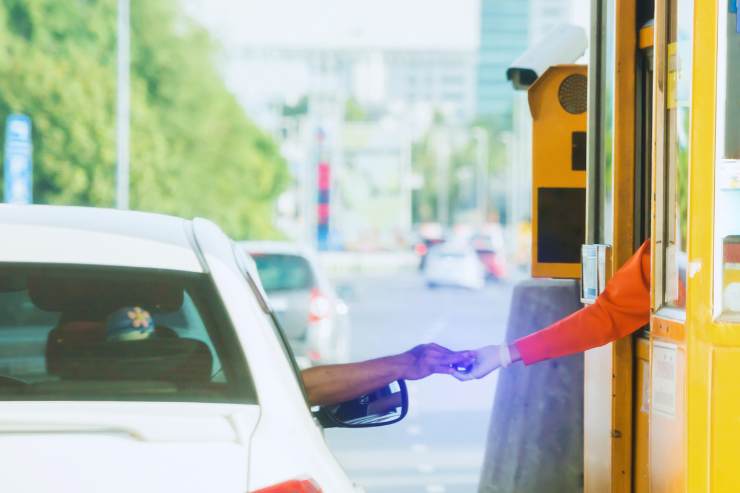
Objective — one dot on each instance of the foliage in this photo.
(300, 108)
(193, 150)
(452, 151)
(353, 111)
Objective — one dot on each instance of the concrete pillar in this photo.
(535, 438)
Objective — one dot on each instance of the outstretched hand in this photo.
(426, 359)
(486, 360)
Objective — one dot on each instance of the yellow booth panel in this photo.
(642, 415)
(557, 101)
(725, 420)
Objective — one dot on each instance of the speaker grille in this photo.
(572, 93)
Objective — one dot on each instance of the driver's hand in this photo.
(486, 361)
(426, 359)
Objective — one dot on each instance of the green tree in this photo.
(353, 111)
(460, 168)
(193, 150)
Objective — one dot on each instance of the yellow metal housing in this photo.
(557, 101)
(608, 391)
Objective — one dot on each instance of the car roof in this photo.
(96, 236)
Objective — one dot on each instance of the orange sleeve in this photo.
(622, 308)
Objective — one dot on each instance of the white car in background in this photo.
(451, 264)
(314, 319)
(207, 400)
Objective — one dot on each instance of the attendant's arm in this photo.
(332, 384)
(622, 308)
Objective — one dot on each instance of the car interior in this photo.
(53, 341)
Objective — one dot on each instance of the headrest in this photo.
(12, 281)
(100, 297)
(176, 360)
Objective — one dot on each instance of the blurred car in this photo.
(429, 235)
(490, 256)
(204, 398)
(454, 265)
(422, 249)
(314, 319)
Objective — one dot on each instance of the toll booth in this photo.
(557, 102)
(660, 410)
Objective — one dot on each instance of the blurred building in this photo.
(504, 35)
(437, 80)
(542, 15)
(507, 28)
(371, 186)
(546, 14)
(369, 103)
(445, 80)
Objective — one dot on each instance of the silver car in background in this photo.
(313, 318)
(454, 265)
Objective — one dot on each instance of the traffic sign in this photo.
(18, 160)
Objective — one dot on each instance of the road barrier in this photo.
(535, 438)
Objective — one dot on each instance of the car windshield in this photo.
(83, 333)
(281, 272)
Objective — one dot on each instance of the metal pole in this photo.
(123, 106)
(481, 195)
(405, 182)
(442, 155)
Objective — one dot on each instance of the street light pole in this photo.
(481, 158)
(123, 105)
(442, 157)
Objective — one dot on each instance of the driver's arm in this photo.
(332, 384)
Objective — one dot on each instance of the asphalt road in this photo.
(439, 447)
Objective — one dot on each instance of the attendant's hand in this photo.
(426, 359)
(486, 360)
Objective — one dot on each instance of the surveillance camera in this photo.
(565, 43)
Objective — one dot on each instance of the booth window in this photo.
(606, 158)
(677, 94)
(727, 224)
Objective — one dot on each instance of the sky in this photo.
(399, 24)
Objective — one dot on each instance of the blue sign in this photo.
(18, 160)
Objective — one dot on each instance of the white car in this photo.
(314, 319)
(454, 265)
(203, 398)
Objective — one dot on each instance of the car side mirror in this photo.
(381, 407)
